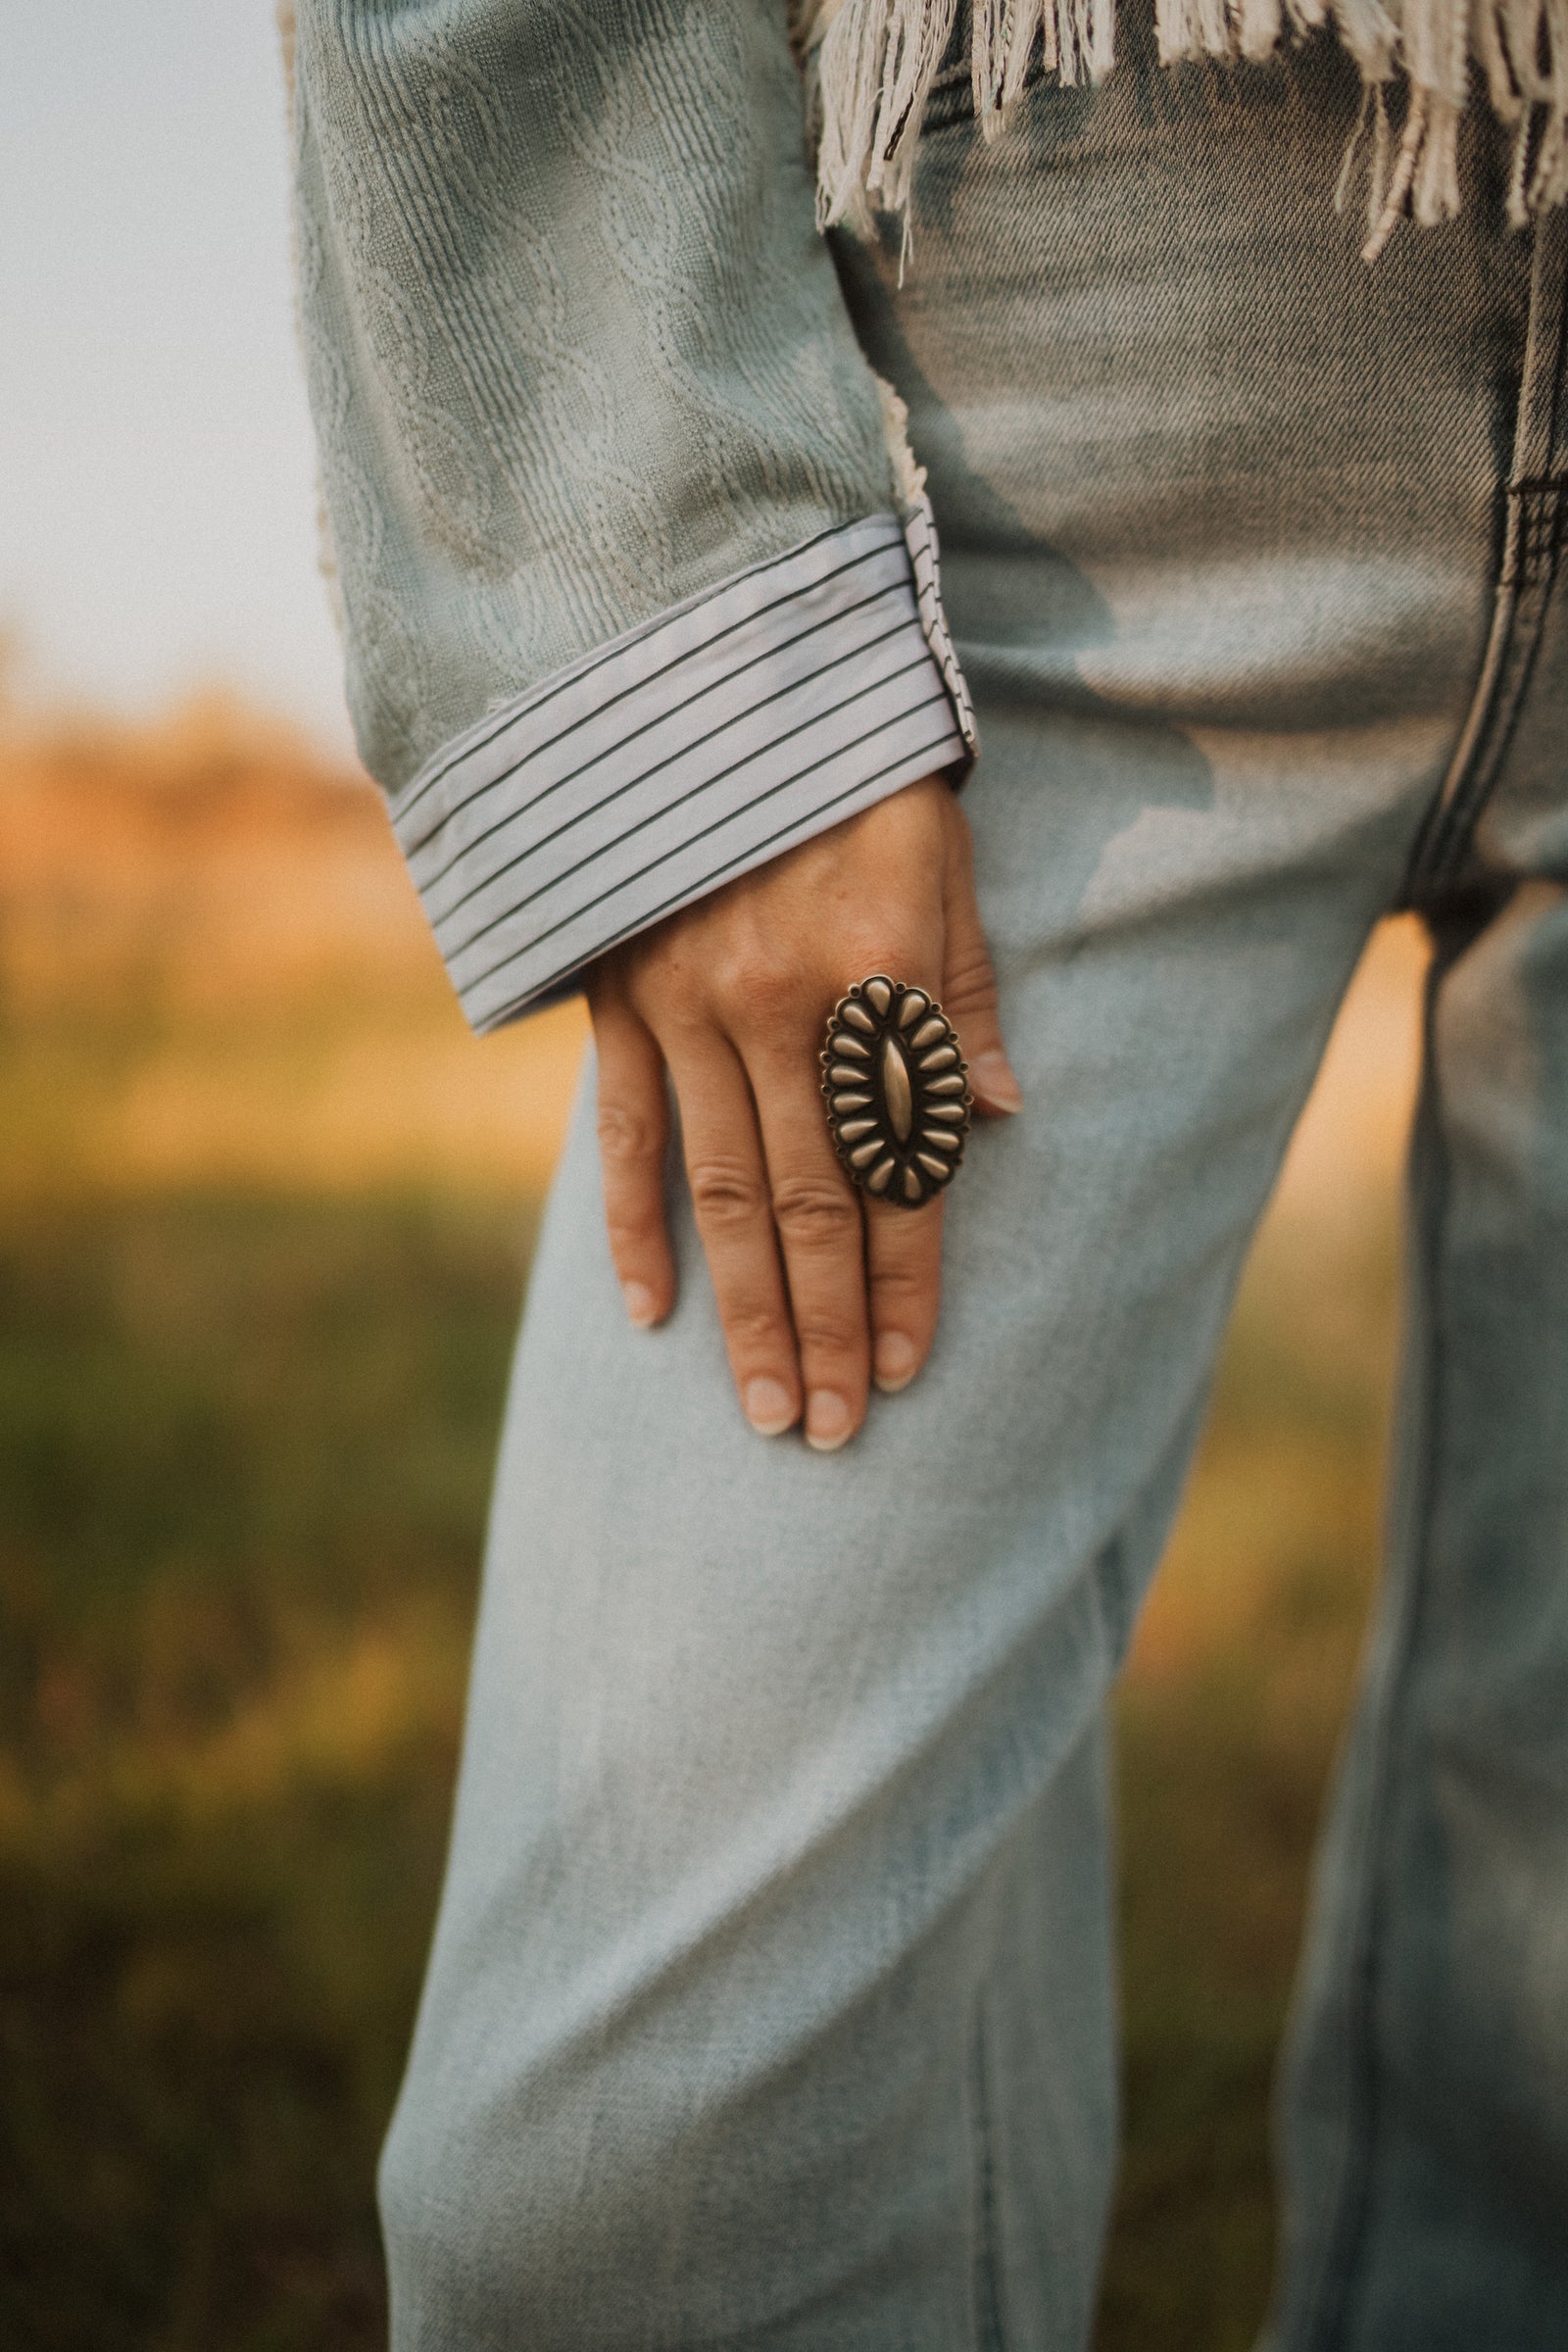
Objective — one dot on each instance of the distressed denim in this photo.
(772, 1996)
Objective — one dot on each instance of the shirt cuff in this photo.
(683, 753)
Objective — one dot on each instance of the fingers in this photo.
(816, 1213)
(904, 1256)
(969, 985)
(633, 1136)
(818, 1292)
(730, 1198)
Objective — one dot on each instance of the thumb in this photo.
(969, 994)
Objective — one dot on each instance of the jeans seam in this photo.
(1534, 502)
(989, 2334)
(1537, 511)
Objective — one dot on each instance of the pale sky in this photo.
(157, 500)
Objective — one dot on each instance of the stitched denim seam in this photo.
(1535, 506)
(1537, 511)
(989, 2334)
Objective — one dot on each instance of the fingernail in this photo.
(641, 1304)
(991, 1076)
(827, 1420)
(895, 1361)
(769, 1406)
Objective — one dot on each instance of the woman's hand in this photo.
(818, 1289)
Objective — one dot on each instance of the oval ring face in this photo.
(896, 1091)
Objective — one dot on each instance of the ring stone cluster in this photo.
(896, 1091)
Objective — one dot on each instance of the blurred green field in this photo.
(241, 1484)
(245, 1433)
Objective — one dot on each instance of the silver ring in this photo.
(896, 1091)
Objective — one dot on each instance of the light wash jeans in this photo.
(772, 1997)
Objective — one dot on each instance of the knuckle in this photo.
(815, 1211)
(900, 954)
(755, 988)
(683, 1015)
(898, 1286)
(971, 982)
(628, 1138)
(746, 972)
(821, 1333)
(669, 989)
(755, 1333)
(629, 1234)
(725, 1191)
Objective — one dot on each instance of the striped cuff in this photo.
(700, 744)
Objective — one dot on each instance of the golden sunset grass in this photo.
(216, 972)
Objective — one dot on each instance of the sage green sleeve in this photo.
(592, 418)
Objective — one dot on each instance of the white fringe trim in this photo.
(921, 538)
(909, 474)
(870, 66)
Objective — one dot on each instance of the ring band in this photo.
(896, 1091)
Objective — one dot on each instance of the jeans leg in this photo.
(1425, 2123)
(772, 1999)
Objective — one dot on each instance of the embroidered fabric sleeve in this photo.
(629, 602)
